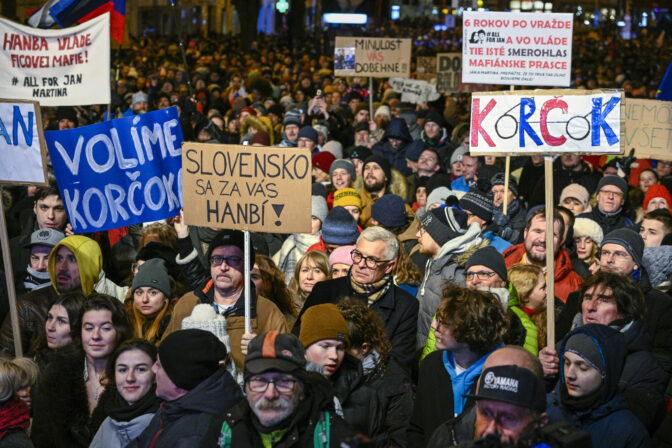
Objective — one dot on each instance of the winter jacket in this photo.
(442, 144)
(439, 394)
(496, 241)
(396, 156)
(397, 308)
(561, 178)
(531, 330)
(264, 315)
(314, 424)
(566, 280)
(608, 420)
(114, 434)
(455, 431)
(33, 307)
(60, 403)
(442, 269)
(461, 184)
(608, 222)
(292, 250)
(183, 423)
(359, 401)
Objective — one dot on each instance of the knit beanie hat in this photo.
(139, 97)
(153, 273)
(445, 223)
(345, 164)
(439, 196)
(616, 181)
(191, 356)
(309, 133)
(458, 154)
(347, 196)
(434, 117)
(657, 191)
(292, 117)
(360, 153)
(334, 147)
(323, 160)
(588, 227)
(204, 317)
(498, 179)
(323, 321)
(382, 162)
(261, 138)
(339, 227)
(630, 240)
(577, 192)
(415, 149)
(321, 129)
(477, 204)
(382, 110)
(341, 255)
(319, 207)
(389, 210)
(489, 257)
(363, 126)
(586, 347)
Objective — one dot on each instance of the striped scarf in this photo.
(373, 291)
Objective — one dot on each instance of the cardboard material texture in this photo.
(23, 150)
(373, 57)
(448, 72)
(543, 122)
(648, 128)
(426, 68)
(261, 189)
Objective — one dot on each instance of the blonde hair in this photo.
(164, 233)
(321, 262)
(15, 376)
(524, 278)
(138, 320)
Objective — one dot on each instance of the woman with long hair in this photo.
(151, 307)
(66, 399)
(312, 268)
(132, 394)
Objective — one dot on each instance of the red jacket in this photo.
(566, 280)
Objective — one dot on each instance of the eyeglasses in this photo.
(371, 262)
(616, 194)
(282, 385)
(217, 260)
(481, 275)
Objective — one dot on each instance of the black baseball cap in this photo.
(511, 384)
(274, 351)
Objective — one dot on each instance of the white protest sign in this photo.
(374, 57)
(523, 49)
(547, 122)
(23, 151)
(414, 91)
(65, 67)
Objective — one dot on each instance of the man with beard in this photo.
(533, 251)
(376, 176)
(284, 405)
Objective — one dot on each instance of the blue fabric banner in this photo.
(119, 172)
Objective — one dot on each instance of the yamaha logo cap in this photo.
(512, 384)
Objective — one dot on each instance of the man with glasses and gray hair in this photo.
(370, 280)
(284, 405)
(612, 191)
(224, 288)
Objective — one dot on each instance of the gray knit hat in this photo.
(630, 240)
(584, 346)
(319, 207)
(616, 181)
(445, 223)
(345, 164)
(153, 273)
(477, 204)
(498, 179)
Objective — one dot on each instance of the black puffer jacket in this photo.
(183, 422)
(315, 417)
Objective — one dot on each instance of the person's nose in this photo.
(130, 376)
(51, 326)
(491, 428)
(50, 213)
(591, 305)
(96, 333)
(42, 265)
(271, 392)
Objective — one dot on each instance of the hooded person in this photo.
(195, 388)
(435, 135)
(75, 263)
(444, 236)
(393, 145)
(298, 244)
(591, 361)
(40, 245)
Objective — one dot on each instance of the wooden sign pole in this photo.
(370, 99)
(507, 173)
(550, 255)
(9, 278)
(248, 274)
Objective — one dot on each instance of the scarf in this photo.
(593, 400)
(121, 411)
(373, 291)
(13, 417)
(36, 280)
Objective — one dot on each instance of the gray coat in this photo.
(114, 434)
(448, 266)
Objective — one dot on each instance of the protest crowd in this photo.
(412, 315)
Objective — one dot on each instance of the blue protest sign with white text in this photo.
(119, 172)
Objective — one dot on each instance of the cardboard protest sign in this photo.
(426, 68)
(262, 189)
(547, 122)
(448, 72)
(374, 57)
(23, 152)
(524, 49)
(414, 91)
(65, 67)
(119, 172)
(648, 128)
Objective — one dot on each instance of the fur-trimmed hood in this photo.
(397, 185)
